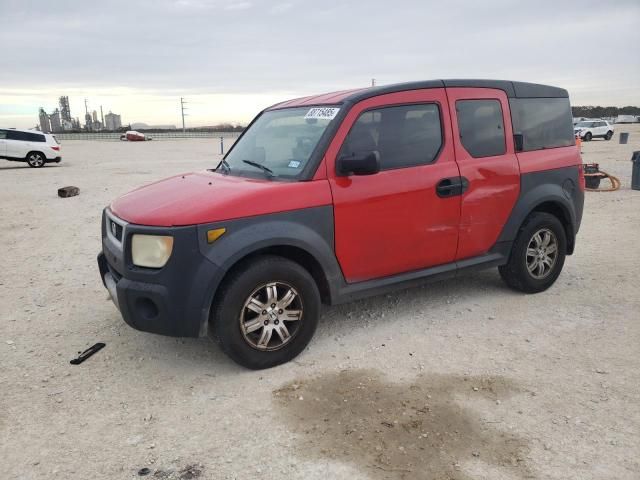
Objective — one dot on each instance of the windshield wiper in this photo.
(265, 169)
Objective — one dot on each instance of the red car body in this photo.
(386, 230)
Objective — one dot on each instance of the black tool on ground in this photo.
(87, 353)
(144, 471)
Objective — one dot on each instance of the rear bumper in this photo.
(174, 300)
(54, 160)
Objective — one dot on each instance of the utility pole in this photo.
(101, 116)
(182, 109)
(373, 82)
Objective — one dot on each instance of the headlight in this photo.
(151, 251)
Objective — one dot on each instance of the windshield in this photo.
(279, 143)
(585, 124)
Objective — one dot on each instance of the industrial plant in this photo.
(60, 120)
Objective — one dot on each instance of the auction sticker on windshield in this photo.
(322, 113)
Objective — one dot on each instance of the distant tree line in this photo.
(598, 112)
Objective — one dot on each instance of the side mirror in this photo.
(367, 163)
(518, 142)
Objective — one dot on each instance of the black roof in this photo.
(512, 89)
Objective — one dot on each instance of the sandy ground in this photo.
(455, 380)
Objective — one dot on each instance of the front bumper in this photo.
(174, 300)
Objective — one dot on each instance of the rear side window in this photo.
(543, 122)
(36, 137)
(481, 127)
(3, 134)
(404, 136)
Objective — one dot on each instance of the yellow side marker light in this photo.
(213, 235)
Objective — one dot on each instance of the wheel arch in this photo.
(560, 211)
(294, 253)
(304, 236)
(26, 157)
(555, 192)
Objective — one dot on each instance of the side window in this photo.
(3, 134)
(404, 136)
(35, 137)
(481, 127)
(15, 135)
(543, 122)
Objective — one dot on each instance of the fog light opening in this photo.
(146, 307)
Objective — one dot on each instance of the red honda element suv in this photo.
(329, 198)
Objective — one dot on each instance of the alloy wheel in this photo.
(542, 253)
(36, 160)
(271, 316)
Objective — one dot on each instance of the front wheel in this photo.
(35, 160)
(266, 312)
(587, 137)
(537, 255)
(609, 135)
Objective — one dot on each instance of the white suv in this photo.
(35, 148)
(589, 129)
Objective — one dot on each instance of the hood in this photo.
(207, 197)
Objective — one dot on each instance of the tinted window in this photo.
(544, 122)
(481, 127)
(14, 135)
(3, 134)
(35, 137)
(403, 136)
(25, 136)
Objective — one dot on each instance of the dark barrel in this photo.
(635, 171)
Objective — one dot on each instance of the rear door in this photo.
(483, 142)
(17, 144)
(395, 221)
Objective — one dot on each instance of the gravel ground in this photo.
(460, 379)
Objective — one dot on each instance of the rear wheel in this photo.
(587, 137)
(36, 159)
(537, 255)
(609, 135)
(266, 312)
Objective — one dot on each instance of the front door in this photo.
(405, 217)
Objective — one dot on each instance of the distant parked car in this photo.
(133, 136)
(593, 129)
(35, 148)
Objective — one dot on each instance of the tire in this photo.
(587, 137)
(609, 135)
(516, 273)
(36, 159)
(252, 284)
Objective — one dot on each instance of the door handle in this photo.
(451, 187)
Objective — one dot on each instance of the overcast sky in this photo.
(231, 58)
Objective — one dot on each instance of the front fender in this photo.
(309, 229)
